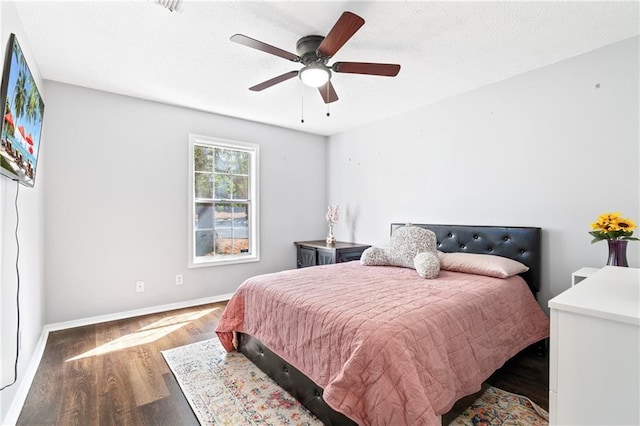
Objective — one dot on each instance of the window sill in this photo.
(227, 260)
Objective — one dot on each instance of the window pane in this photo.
(240, 187)
(241, 228)
(203, 158)
(203, 184)
(224, 232)
(231, 161)
(223, 186)
(242, 163)
(204, 216)
(222, 160)
(222, 221)
(204, 243)
(231, 228)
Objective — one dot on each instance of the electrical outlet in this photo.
(179, 280)
(139, 286)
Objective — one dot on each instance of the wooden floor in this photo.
(113, 373)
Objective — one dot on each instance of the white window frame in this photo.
(254, 193)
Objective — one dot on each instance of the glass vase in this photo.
(330, 238)
(617, 253)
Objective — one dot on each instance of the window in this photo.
(223, 202)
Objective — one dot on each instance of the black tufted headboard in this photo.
(518, 243)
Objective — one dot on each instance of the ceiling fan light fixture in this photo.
(315, 75)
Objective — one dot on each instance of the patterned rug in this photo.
(498, 407)
(227, 389)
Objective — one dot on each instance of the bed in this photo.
(360, 345)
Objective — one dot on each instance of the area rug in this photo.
(227, 389)
(498, 407)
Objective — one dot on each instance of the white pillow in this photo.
(481, 264)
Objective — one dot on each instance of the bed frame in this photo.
(518, 243)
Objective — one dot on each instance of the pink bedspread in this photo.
(388, 347)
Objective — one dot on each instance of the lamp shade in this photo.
(314, 75)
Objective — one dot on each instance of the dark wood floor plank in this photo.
(77, 380)
(173, 410)
(146, 379)
(115, 399)
(112, 392)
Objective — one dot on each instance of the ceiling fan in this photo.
(314, 52)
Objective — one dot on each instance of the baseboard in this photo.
(135, 313)
(25, 384)
(30, 373)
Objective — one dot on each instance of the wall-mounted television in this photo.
(22, 114)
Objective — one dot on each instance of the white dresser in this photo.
(595, 350)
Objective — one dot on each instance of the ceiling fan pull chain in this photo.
(302, 109)
(328, 113)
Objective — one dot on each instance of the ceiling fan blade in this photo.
(344, 28)
(273, 81)
(328, 93)
(389, 70)
(256, 44)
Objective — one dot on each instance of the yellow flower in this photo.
(625, 224)
(612, 226)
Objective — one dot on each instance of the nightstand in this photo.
(581, 274)
(318, 252)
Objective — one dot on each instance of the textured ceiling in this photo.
(185, 58)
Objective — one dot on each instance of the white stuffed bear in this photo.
(411, 247)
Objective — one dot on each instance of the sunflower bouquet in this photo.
(612, 226)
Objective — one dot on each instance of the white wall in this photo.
(117, 202)
(31, 240)
(546, 148)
